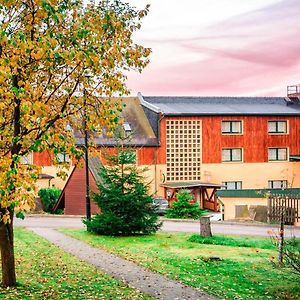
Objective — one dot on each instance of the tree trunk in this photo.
(7, 253)
(205, 229)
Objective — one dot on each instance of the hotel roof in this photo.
(173, 106)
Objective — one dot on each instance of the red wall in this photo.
(145, 155)
(75, 193)
(42, 158)
(255, 139)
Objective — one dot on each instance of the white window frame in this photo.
(27, 159)
(277, 149)
(65, 157)
(277, 184)
(231, 150)
(231, 132)
(277, 131)
(237, 185)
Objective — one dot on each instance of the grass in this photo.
(249, 242)
(46, 272)
(241, 272)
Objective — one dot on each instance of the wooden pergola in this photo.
(204, 193)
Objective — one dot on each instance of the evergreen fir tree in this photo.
(126, 207)
(183, 208)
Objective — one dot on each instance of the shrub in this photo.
(49, 197)
(126, 208)
(290, 252)
(183, 208)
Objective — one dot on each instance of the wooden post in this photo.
(205, 228)
(269, 210)
(281, 238)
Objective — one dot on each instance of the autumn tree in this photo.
(47, 49)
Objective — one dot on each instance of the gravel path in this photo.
(135, 276)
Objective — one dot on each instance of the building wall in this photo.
(56, 181)
(253, 175)
(42, 158)
(255, 138)
(254, 171)
(231, 203)
(75, 201)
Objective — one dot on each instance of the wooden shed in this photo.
(73, 196)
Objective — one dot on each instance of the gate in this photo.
(286, 206)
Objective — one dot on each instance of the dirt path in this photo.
(135, 276)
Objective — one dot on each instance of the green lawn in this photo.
(241, 272)
(46, 272)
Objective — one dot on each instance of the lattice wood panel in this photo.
(183, 150)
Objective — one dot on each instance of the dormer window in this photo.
(127, 127)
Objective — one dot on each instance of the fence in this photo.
(286, 206)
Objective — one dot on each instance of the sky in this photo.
(219, 47)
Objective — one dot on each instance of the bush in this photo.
(126, 208)
(183, 208)
(49, 197)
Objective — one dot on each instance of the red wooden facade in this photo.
(42, 159)
(74, 193)
(255, 139)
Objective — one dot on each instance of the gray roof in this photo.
(221, 105)
(95, 167)
(133, 114)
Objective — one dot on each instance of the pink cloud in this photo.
(254, 53)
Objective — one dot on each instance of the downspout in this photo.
(155, 152)
(155, 171)
(157, 110)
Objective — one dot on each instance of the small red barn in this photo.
(73, 196)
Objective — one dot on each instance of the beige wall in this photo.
(56, 181)
(230, 203)
(253, 175)
(153, 180)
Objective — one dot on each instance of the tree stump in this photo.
(205, 228)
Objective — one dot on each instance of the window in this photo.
(63, 158)
(277, 127)
(232, 154)
(232, 185)
(127, 127)
(277, 154)
(277, 184)
(231, 127)
(27, 159)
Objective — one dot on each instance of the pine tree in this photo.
(183, 208)
(126, 207)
